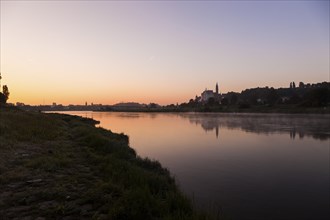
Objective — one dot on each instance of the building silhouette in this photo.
(207, 94)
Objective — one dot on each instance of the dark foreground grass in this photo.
(56, 166)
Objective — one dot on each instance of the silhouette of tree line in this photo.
(305, 95)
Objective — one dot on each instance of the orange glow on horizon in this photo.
(107, 52)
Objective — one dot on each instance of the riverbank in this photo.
(63, 167)
(230, 109)
(188, 107)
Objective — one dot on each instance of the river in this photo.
(246, 166)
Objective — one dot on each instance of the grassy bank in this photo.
(62, 167)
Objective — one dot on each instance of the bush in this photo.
(3, 98)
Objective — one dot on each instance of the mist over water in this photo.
(248, 166)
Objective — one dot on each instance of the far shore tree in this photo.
(301, 85)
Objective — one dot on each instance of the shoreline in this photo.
(263, 111)
(274, 111)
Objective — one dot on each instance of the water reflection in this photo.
(296, 126)
(315, 126)
(262, 166)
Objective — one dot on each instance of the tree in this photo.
(211, 101)
(2, 98)
(293, 85)
(192, 103)
(225, 101)
(317, 97)
(272, 96)
(5, 92)
(233, 99)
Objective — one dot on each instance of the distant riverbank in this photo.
(60, 166)
(228, 109)
(289, 109)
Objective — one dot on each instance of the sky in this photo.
(72, 52)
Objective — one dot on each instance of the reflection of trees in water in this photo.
(135, 115)
(315, 126)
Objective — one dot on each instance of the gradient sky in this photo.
(165, 51)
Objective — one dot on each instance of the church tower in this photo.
(217, 89)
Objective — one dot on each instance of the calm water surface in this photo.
(249, 166)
